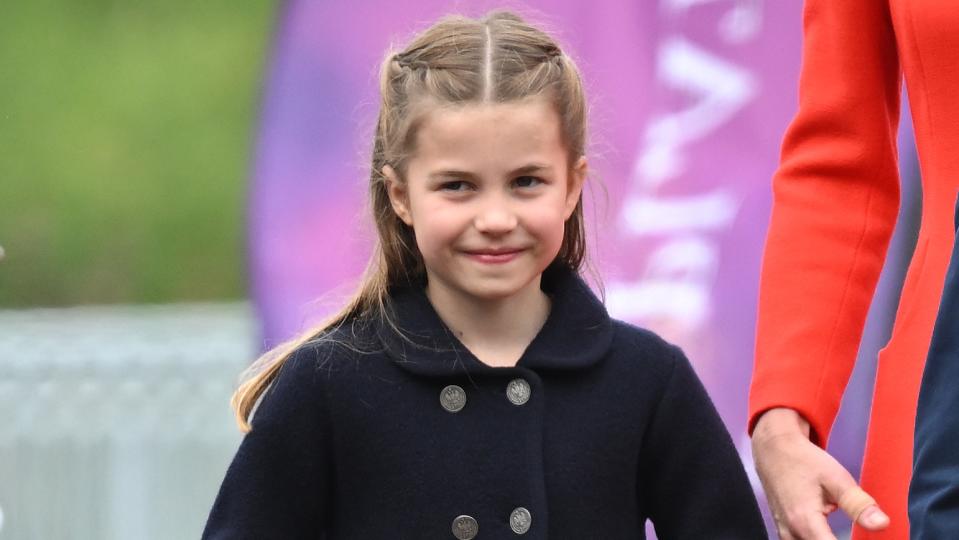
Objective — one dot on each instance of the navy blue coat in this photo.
(354, 444)
(934, 488)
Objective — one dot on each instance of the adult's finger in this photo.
(854, 502)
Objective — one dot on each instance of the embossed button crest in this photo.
(520, 520)
(465, 528)
(518, 391)
(453, 398)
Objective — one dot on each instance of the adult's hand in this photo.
(803, 483)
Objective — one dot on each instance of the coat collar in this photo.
(577, 333)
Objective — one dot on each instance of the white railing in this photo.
(115, 421)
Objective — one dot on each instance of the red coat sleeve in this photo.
(835, 203)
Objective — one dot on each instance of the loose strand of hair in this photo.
(368, 301)
(488, 66)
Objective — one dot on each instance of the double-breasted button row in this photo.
(453, 397)
(466, 527)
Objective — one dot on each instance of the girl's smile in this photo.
(494, 256)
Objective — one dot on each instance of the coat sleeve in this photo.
(692, 482)
(278, 483)
(835, 203)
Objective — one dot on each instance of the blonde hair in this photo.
(498, 58)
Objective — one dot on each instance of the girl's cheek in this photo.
(546, 220)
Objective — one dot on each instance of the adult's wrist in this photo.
(780, 421)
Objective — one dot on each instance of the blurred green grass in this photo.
(125, 137)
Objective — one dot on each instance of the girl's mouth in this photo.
(494, 256)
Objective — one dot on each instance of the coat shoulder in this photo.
(644, 352)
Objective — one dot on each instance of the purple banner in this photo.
(695, 199)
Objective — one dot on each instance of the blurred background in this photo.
(181, 187)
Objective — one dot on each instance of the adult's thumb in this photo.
(862, 508)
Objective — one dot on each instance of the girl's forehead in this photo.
(489, 130)
(533, 111)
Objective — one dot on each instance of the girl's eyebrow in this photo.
(450, 173)
(525, 169)
(529, 169)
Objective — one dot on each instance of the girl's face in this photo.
(487, 193)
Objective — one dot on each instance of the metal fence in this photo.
(115, 421)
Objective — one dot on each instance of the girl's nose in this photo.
(495, 218)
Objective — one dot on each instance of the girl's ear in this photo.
(577, 176)
(399, 197)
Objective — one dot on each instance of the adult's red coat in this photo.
(836, 198)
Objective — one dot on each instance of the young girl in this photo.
(475, 387)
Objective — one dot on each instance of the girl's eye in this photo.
(527, 181)
(455, 185)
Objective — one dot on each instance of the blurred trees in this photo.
(125, 138)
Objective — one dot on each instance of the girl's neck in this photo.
(496, 331)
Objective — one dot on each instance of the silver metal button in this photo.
(518, 391)
(520, 520)
(453, 398)
(465, 528)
